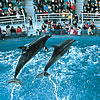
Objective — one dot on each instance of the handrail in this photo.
(53, 13)
(11, 19)
(91, 16)
(53, 16)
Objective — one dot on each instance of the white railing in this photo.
(53, 17)
(90, 16)
(12, 19)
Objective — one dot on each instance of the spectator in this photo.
(1, 12)
(92, 25)
(10, 10)
(74, 21)
(22, 11)
(24, 30)
(30, 22)
(73, 8)
(59, 26)
(71, 31)
(18, 31)
(2, 36)
(13, 32)
(75, 31)
(8, 30)
(43, 27)
(90, 31)
(79, 31)
(88, 8)
(55, 26)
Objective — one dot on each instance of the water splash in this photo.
(55, 86)
(81, 63)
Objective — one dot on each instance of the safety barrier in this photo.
(12, 19)
(54, 16)
(90, 16)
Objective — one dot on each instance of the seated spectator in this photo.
(10, 4)
(17, 15)
(22, 11)
(8, 30)
(79, 31)
(84, 29)
(48, 29)
(88, 8)
(87, 24)
(73, 9)
(69, 7)
(92, 25)
(84, 26)
(55, 26)
(1, 12)
(2, 36)
(94, 31)
(75, 31)
(18, 30)
(71, 31)
(10, 10)
(43, 27)
(24, 30)
(90, 31)
(59, 26)
(13, 32)
(49, 22)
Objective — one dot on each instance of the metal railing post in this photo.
(24, 19)
(82, 18)
(71, 18)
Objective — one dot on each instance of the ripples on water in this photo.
(76, 76)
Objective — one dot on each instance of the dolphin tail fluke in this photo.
(42, 74)
(15, 80)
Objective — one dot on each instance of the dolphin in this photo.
(58, 52)
(27, 53)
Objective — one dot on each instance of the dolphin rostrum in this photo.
(58, 52)
(27, 53)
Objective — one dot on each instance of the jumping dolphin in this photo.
(58, 52)
(27, 53)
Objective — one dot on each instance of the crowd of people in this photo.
(10, 8)
(54, 6)
(51, 26)
(91, 6)
(64, 29)
(11, 31)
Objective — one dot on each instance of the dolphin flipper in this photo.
(42, 74)
(15, 80)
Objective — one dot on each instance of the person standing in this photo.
(30, 22)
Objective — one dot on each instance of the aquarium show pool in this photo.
(76, 76)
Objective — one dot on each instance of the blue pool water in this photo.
(76, 76)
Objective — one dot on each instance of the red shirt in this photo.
(55, 27)
(73, 7)
(75, 32)
(19, 31)
(68, 3)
